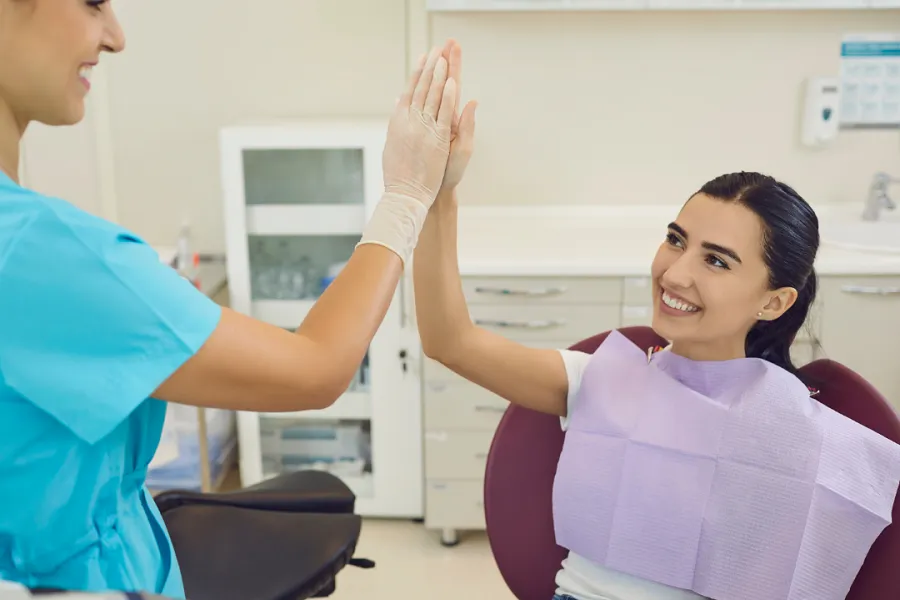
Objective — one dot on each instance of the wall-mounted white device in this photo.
(821, 111)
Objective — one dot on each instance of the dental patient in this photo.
(706, 469)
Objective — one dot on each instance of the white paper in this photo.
(870, 80)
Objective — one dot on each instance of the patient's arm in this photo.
(533, 378)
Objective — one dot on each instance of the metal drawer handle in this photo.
(520, 324)
(495, 409)
(871, 290)
(551, 291)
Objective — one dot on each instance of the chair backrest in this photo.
(522, 461)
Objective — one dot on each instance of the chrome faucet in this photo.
(878, 196)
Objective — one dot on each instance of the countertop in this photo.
(606, 241)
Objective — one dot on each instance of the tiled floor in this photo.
(411, 563)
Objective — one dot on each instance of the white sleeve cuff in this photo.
(576, 363)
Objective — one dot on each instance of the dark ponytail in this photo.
(790, 244)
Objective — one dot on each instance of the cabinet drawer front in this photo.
(456, 454)
(637, 291)
(553, 322)
(461, 405)
(542, 290)
(454, 504)
(633, 315)
(858, 315)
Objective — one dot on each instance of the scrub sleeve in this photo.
(91, 323)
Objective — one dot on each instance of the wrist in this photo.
(445, 198)
(396, 224)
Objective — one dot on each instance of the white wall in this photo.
(193, 67)
(594, 107)
(644, 107)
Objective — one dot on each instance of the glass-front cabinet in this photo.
(297, 197)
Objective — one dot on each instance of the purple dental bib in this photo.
(725, 478)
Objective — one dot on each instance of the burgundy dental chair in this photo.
(522, 462)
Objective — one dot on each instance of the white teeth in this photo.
(84, 72)
(678, 304)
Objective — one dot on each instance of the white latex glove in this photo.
(415, 157)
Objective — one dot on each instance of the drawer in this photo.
(433, 371)
(461, 405)
(633, 315)
(570, 323)
(637, 291)
(454, 505)
(542, 290)
(456, 454)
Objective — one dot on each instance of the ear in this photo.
(779, 302)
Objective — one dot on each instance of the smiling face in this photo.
(47, 48)
(710, 280)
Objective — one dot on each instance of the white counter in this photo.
(601, 241)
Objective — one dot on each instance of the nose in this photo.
(678, 275)
(113, 36)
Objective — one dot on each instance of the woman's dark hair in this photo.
(790, 242)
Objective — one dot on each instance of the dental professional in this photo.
(97, 335)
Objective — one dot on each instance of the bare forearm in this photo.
(441, 312)
(343, 321)
(534, 378)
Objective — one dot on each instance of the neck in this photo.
(11, 131)
(710, 351)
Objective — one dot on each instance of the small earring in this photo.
(759, 315)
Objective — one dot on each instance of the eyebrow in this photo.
(708, 245)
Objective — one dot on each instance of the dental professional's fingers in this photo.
(406, 98)
(424, 83)
(448, 105)
(436, 92)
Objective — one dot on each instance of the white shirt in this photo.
(583, 579)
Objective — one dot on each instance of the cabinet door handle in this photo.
(520, 324)
(550, 291)
(494, 409)
(871, 290)
(481, 456)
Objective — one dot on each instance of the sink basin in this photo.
(881, 237)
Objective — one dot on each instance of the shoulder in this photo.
(41, 230)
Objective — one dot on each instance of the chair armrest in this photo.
(228, 553)
(299, 492)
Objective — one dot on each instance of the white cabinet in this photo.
(296, 199)
(860, 324)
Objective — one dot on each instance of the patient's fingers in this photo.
(424, 83)
(454, 72)
(448, 104)
(436, 91)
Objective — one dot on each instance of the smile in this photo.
(678, 304)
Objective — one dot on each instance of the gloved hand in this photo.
(415, 157)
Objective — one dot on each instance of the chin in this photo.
(71, 113)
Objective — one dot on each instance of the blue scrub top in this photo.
(91, 323)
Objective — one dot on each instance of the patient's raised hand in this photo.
(462, 127)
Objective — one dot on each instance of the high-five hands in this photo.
(419, 133)
(415, 156)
